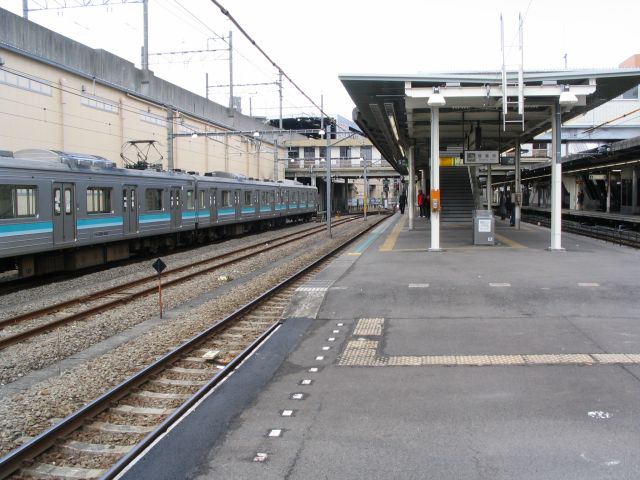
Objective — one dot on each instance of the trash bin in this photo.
(484, 226)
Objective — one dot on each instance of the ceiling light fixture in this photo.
(436, 99)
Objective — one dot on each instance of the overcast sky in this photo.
(314, 42)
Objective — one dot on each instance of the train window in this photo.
(190, 200)
(68, 199)
(201, 199)
(18, 201)
(264, 198)
(247, 198)
(285, 196)
(271, 196)
(226, 198)
(153, 199)
(98, 200)
(57, 201)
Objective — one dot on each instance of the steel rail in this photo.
(34, 447)
(84, 298)
(17, 337)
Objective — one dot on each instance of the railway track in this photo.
(79, 308)
(107, 434)
(619, 236)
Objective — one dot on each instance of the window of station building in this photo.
(99, 104)
(226, 198)
(98, 200)
(191, 200)
(322, 152)
(345, 152)
(247, 198)
(25, 83)
(309, 152)
(366, 152)
(18, 201)
(293, 152)
(154, 119)
(153, 199)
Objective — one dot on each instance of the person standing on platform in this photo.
(402, 202)
(507, 204)
(512, 202)
(421, 203)
(580, 200)
(503, 205)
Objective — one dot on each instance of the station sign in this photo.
(597, 176)
(481, 157)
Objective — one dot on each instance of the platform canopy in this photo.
(394, 113)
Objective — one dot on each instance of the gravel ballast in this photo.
(30, 412)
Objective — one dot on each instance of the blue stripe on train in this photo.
(84, 223)
(155, 217)
(25, 228)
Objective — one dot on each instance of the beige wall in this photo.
(49, 108)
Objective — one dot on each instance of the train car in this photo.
(65, 211)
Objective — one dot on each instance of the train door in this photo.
(213, 205)
(238, 198)
(64, 213)
(130, 209)
(175, 206)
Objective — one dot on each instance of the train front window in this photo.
(17, 201)
(153, 199)
(98, 200)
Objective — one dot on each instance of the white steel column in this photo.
(435, 177)
(556, 180)
(411, 196)
(517, 205)
(489, 184)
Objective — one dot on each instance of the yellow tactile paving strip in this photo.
(391, 240)
(364, 352)
(369, 326)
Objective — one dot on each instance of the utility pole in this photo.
(328, 160)
(280, 88)
(275, 159)
(145, 51)
(25, 9)
(231, 111)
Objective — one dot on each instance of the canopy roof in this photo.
(393, 112)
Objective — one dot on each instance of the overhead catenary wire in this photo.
(253, 42)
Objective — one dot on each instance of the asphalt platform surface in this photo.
(476, 362)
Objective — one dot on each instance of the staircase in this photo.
(455, 195)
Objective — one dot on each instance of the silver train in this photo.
(63, 211)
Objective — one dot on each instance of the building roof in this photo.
(473, 115)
